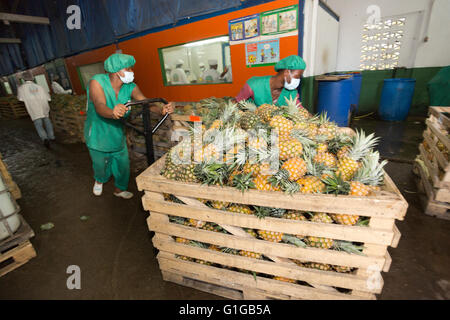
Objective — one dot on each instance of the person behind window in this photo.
(103, 131)
(227, 74)
(191, 77)
(36, 101)
(211, 75)
(178, 75)
(56, 87)
(202, 69)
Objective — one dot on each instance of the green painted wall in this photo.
(372, 84)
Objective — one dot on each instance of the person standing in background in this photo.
(56, 87)
(178, 75)
(36, 101)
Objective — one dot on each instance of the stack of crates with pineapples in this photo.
(68, 114)
(432, 165)
(11, 108)
(316, 227)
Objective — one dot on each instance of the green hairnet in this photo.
(119, 61)
(291, 63)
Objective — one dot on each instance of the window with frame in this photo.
(86, 72)
(206, 61)
(381, 44)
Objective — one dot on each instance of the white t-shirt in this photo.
(35, 98)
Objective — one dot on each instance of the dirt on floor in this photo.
(113, 246)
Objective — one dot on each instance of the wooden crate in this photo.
(381, 232)
(17, 249)
(7, 179)
(70, 123)
(13, 110)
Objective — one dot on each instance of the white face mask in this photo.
(293, 84)
(128, 78)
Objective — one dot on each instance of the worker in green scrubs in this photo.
(275, 89)
(103, 131)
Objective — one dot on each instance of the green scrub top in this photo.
(103, 134)
(263, 94)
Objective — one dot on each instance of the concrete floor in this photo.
(113, 247)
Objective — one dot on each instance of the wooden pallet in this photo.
(13, 258)
(382, 209)
(13, 111)
(7, 179)
(430, 206)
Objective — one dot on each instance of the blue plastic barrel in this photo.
(396, 99)
(356, 91)
(334, 99)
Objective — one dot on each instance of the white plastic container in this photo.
(7, 207)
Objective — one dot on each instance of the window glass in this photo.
(201, 62)
(42, 81)
(86, 72)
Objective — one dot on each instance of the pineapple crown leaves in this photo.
(248, 105)
(281, 179)
(362, 144)
(363, 222)
(294, 240)
(336, 185)
(243, 182)
(211, 173)
(302, 136)
(339, 141)
(262, 212)
(348, 247)
(198, 244)
(229, 251)
(371, 172)
(313, 168)
(177, 220)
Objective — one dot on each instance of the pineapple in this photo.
(295, 215)
(296, 168)
(322, 147)
(326, 158)
(368, 178)
(318, 266)
(219, 205)
(290, 148)
(182, 240)
(343, 152)
(262, 183)
(283, 126)
(196, 223)
(251, 232)
(318, 242)
(250, 254)
(326, 128)
(239, 208)
(311, 184)
(349, 164)
(342, 269)
(271, 236)
(265, 111)
(249, 120)
(346, 219)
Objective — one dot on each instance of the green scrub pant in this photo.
(115, 163)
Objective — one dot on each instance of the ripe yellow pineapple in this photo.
(296, 167)
(182, 240)
(318, 242)
(326, 158)
(359, 189)
(262, 183)
(295, 215)
(346, 219)
(220, 205)
(240, 208)
(318, 266)
(349, 164)
(343, 152)
(271, 236)
(250, 254)
(283, 126)
(196, 223)
(342, 269)
(290, 148)
(216, 124)
(265, 111)
(322, 147)
(311, 184)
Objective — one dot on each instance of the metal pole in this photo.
(148, 134)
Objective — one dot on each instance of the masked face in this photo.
(293, 84)
(128, 76)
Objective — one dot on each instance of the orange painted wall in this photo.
(147, 69)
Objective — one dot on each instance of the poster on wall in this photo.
(244, 28)
(279, 20)
(262, 53)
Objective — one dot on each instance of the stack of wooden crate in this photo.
(17, 249)
(219, 272)
(432, 167)
(11, 108)
(68, 115)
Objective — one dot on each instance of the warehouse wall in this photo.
(424, 59)
(147, 70)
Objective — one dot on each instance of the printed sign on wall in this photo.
(262, 53)
(279, 20)
(244, 28)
